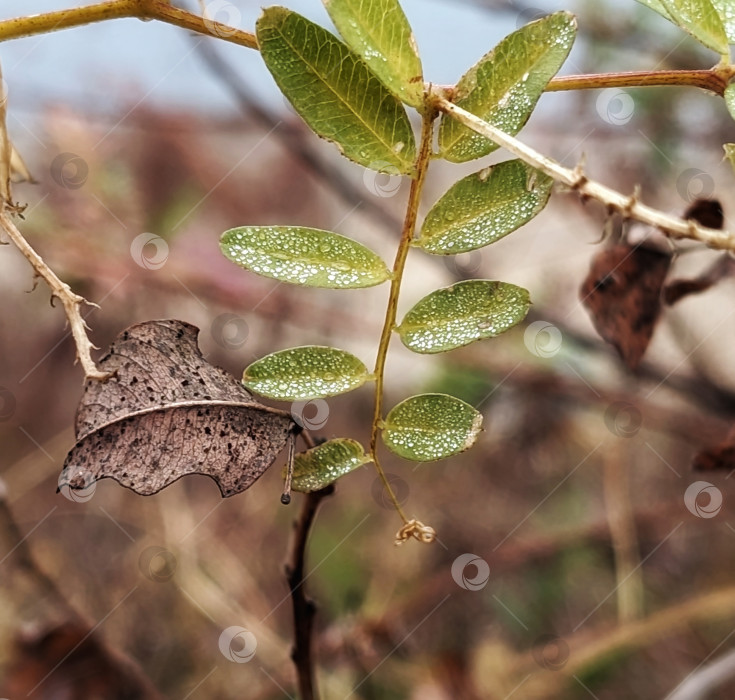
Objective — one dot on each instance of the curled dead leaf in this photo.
(622, 293)
(165, 413)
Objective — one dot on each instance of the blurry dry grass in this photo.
(537, 499)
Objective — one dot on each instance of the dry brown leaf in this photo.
(166, 413)
(707, 212)
(677, 289)
(622, 293)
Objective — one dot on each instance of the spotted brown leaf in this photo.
(166, 413)
(622, 293)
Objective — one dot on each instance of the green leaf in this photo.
(379, 31)
(711, 22)
(306, 256)
(461, 314)
(431, 426)
(335, 92)
(307, 372)
(484, 207)
(726, 10)
(730, 99)
(730, 153)
(325, 463)
(504, 86)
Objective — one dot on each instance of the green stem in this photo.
(409, 224)
(161, 10)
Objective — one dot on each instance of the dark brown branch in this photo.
(304, 609)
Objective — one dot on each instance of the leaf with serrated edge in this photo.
(461, 314)
(307, 372)
(305, 256)
(335, 92)
(379, 31)
(483, 207)
(711, 22)
(428, 427)
(321, 465)
(504, 86)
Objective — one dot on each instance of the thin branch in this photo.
(161, 10)
(304, 609)
(61, 291)
(628, 206)
(621, 519)
(714, 80)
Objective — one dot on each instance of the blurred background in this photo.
(599, 566)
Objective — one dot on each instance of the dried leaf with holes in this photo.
(622, 294)
(166, 413)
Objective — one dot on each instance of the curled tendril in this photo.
(417, 530)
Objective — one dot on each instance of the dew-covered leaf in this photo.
(483, 207)
(305, 256)
(431, 426)
(504, 86)
(726, 10)
(165, 413)
(308, 372)
(335, 92)
(711, 22)
(379, 32)
(467, 311)
(325, 463)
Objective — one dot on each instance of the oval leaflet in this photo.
(428, 427)
(307, 372)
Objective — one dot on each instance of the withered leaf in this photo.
(707, 212)
(622, 294)
(677, 289)
(165, 413)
